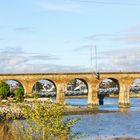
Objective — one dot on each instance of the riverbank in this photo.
(71, 110)
(109, 125)
(76, 97)
(14, 111)
(114, 138)
(132, 95)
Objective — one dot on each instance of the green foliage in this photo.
(113, 84)
(4, 90)
(19, 93)
(36, 95)
(43, 121)
(37, 87)
(74, 82)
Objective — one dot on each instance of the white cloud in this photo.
(129, 38)
(15, 60)
(121, 60)
(130, 35)
(103, 36)
(25, 29)
(84, 47)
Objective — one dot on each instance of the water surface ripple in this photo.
(105, 125)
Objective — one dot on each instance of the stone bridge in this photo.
(124, 80)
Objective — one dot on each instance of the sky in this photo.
(61, 35)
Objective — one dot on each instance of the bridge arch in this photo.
(44, 88)
(134, 87)
(15, 84)
(108, 87)
(77, 89)
(78, 84)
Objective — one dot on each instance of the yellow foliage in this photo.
(43, 121)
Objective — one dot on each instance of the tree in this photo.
(74, 83)
(37, 87)
(113, 84)
(19, 93)
(43, 121)
(4, 90)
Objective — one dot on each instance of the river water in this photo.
(109, 125)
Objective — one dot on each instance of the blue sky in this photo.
(57, 35)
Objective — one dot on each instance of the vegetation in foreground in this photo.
(43, 121)
(5, 92)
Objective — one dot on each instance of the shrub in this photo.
(19, 93)
(43, 121)
(4, 90)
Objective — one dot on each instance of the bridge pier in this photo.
(28, 87)
(101, 99)
(124, 99)
(60, 96)
(92, 96)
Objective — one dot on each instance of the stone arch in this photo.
(106, 87)
(14, 85)
(134, 87)
(45, 83)
(108, 84)
(76, 92)
(84, 82)
(18, 81)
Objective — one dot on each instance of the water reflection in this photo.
(109, 103)
(124, 109)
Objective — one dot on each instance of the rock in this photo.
(28, 100)
(4, 101)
